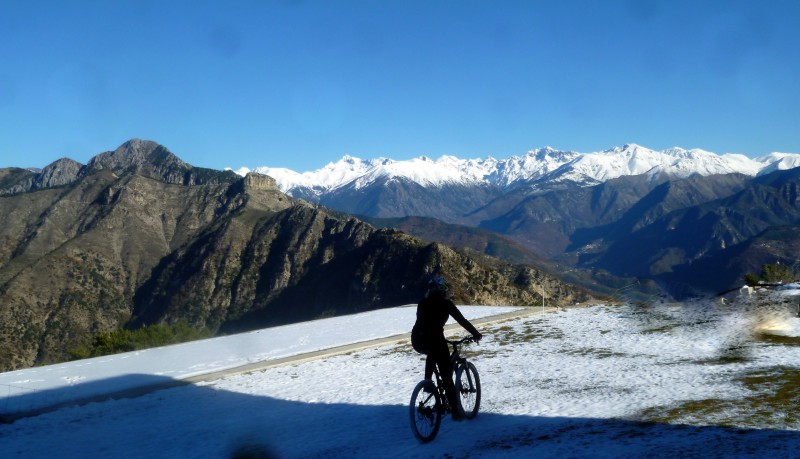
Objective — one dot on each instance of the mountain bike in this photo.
(428, 400)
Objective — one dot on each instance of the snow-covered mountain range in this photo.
(587, 210)
(544, 165)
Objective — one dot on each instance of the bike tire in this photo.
(468, 386)
(425, 411)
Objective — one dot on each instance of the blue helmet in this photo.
(438, 285)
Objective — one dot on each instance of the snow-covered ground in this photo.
(665, 381)
(42, 387)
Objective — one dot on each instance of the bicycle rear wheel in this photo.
(468, 386)
(425, 411)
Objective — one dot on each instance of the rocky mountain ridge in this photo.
(136, 156)
(582, 228)
(138, 236)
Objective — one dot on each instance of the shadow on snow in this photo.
(202, 421)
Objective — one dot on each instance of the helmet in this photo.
(438, 285)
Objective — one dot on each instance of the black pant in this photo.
(438, 353)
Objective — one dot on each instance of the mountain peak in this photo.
(153, 160)
(629, 148)
(137, 154)
(60, 172)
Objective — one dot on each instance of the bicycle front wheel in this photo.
(468, 386)
(425, 411)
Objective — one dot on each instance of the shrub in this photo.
(148, 336)
(773, 274)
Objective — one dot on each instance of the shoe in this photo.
(457, 417)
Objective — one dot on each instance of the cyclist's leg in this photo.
(421, 345)
(430, 362)
(441, 354)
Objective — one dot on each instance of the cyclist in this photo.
(427, 336)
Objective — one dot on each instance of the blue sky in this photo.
(298, 84)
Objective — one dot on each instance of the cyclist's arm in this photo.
(456, 314)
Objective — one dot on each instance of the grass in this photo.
(730, 355)
(661, 328)
(531, 331)
(595, 352)
(772, 403)
(778, 340)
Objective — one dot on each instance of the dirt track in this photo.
(300, 358)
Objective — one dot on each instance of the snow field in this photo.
(579, 383)
(41, 387)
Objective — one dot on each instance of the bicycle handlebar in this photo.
(466, 339)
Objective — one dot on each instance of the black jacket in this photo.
(432, 314)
